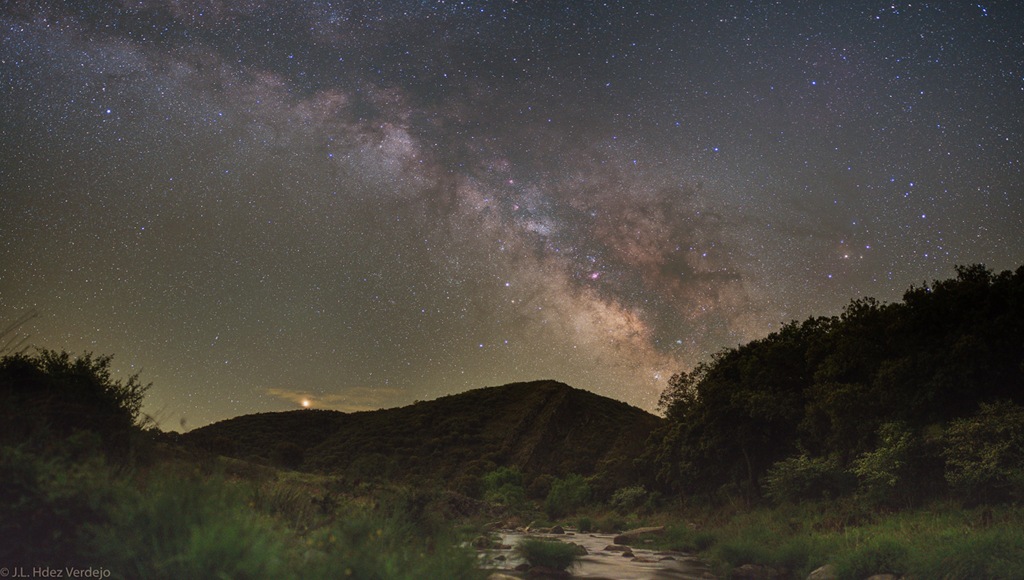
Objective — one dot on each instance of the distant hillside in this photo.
(541, 427)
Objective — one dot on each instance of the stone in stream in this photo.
(633, 535)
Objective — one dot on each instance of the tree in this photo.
(567, 495)
(985, 453)
(53, 392)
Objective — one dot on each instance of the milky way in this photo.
(368, 203)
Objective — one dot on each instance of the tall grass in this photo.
(177, 521)
(943, 541)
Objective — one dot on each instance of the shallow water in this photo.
(601, 563)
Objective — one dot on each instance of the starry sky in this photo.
(367, 203)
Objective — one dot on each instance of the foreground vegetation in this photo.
(119, 501)
(889, 439)
(942, 540)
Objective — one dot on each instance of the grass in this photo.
(943, 541)
(182, 519)
(548, 553)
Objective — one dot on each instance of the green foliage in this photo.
(47, 504)
(188, 527)
(826, 388)
(52, 394)
(683, 538)
(176, 521)
(585, 525)
(807, 478)
(628, 499)
(548, 553)
(881, 555)
(882, 471)
(985, 553)
(985, 453)
(504, 486)
(567, 495)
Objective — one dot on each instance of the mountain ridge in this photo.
(543, 428)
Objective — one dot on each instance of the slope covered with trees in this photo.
(544, 428)
(880, 400)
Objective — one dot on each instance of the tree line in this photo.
(897, 402)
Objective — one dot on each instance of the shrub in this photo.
(54, 393)
(807, 478)
(627, 499)
(880, 472)
(585, 525)
(567, 495)
(504, 486)
(985, 453)
(548, 553)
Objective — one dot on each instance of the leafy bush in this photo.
(627, 499)
(53, 393)
(548, 553)
(567, 495)
(504, 486)
(882, 471)
(807, 478)
(985, 453)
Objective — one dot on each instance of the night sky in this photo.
(370, 203)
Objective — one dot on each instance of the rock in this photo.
(580, 550)
(611, 548)
(557, 530)
(882, 577)
(522, 567)
(665, 558)
(627, 554)
(826, 572)
(500, 576)
(500, 557)
(632, 535)
(642, 560)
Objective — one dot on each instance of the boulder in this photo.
(580, 550)
(611, 548)
(633, 535)
(557, 530)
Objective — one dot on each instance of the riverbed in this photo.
(604, 563)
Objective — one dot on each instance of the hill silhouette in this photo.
(544, 428)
